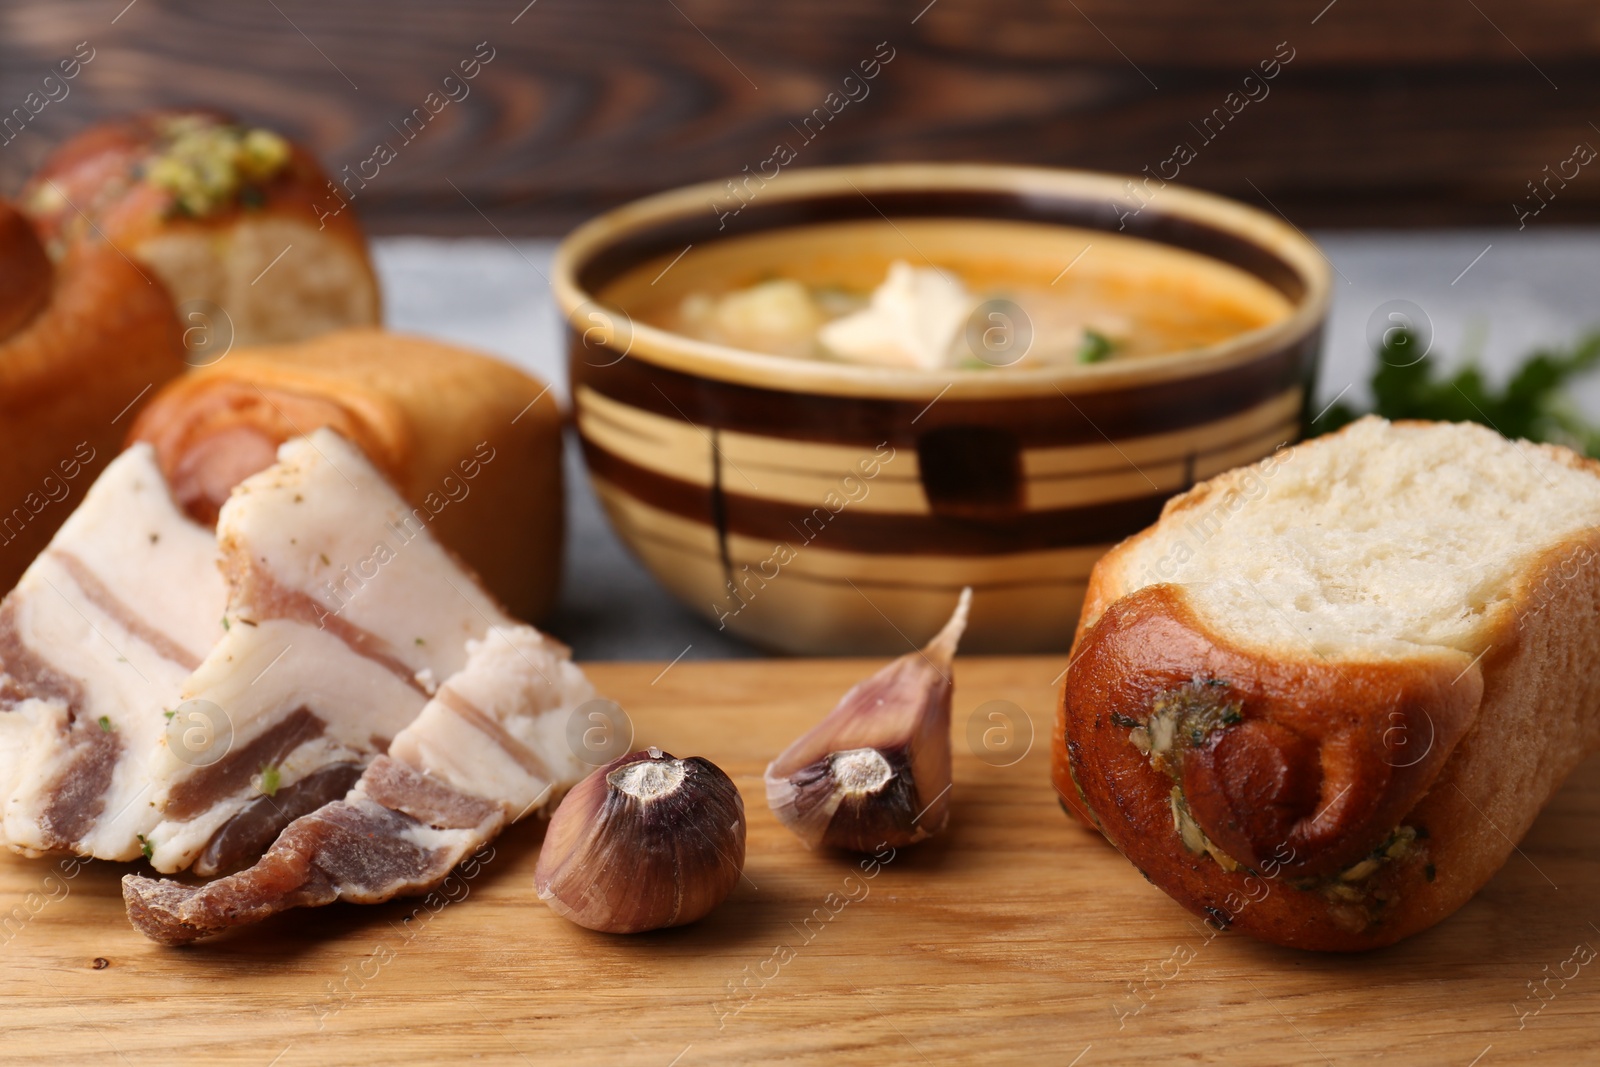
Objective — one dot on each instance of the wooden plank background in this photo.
(1422, 112)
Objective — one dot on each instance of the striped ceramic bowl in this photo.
(826, 508)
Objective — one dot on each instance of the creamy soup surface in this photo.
(947, 294)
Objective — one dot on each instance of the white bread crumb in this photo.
(1368, 542)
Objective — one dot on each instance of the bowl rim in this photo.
(686, 355)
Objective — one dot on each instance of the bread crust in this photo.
(1364, 800)
(419, 409)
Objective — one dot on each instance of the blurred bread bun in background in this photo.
(223, 213)
(473, 443)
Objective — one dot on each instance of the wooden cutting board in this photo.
(1016, 937)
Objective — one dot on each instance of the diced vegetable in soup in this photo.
(1011, 296)
(777, 316)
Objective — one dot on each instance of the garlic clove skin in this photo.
(645, 842)
(876, 770)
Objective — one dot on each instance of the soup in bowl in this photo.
(818, 419)
(948, 294)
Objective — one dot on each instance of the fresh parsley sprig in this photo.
(1533, 404)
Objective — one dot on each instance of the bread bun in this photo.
(82, 343)
(472, 442)
(1323, 696)
(210, 206)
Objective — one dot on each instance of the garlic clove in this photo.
(645, 842)
(876, 770)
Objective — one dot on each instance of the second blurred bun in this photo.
(473, 443)
(224, 214)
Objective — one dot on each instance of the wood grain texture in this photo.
(1018, 937)
(1434, 111)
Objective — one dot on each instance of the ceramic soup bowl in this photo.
(818, 506)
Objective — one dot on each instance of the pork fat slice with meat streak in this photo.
(95, 641)
(488, 748)
(343, 612)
